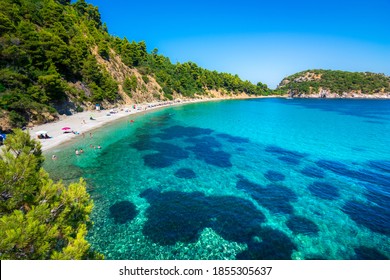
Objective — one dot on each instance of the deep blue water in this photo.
(245, 179)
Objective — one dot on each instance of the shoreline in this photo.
(81, 124)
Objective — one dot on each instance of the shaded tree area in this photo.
(39, 219)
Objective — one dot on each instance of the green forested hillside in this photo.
(339, 82)
(47, 58)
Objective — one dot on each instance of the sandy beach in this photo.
(81, 123)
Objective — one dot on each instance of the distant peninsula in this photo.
(335, 84)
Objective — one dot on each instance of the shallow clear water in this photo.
(245, 179)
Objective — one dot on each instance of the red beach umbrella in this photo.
(66, 128)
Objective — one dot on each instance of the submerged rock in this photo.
(276, 198)
(274, 176)
(302, 225)
(324, 190)
(275, 245)
(180, 216)
(185, 173)
(366, 253)
(123, 212)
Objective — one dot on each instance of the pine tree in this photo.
(39, 219)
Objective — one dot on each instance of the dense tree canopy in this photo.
(311, 81)
(187, 78)
(46, 47)
(39, 219)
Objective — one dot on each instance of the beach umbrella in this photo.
(41, 132)
(66, 128)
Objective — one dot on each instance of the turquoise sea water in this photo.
(243, 179)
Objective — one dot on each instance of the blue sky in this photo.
(259, 40)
